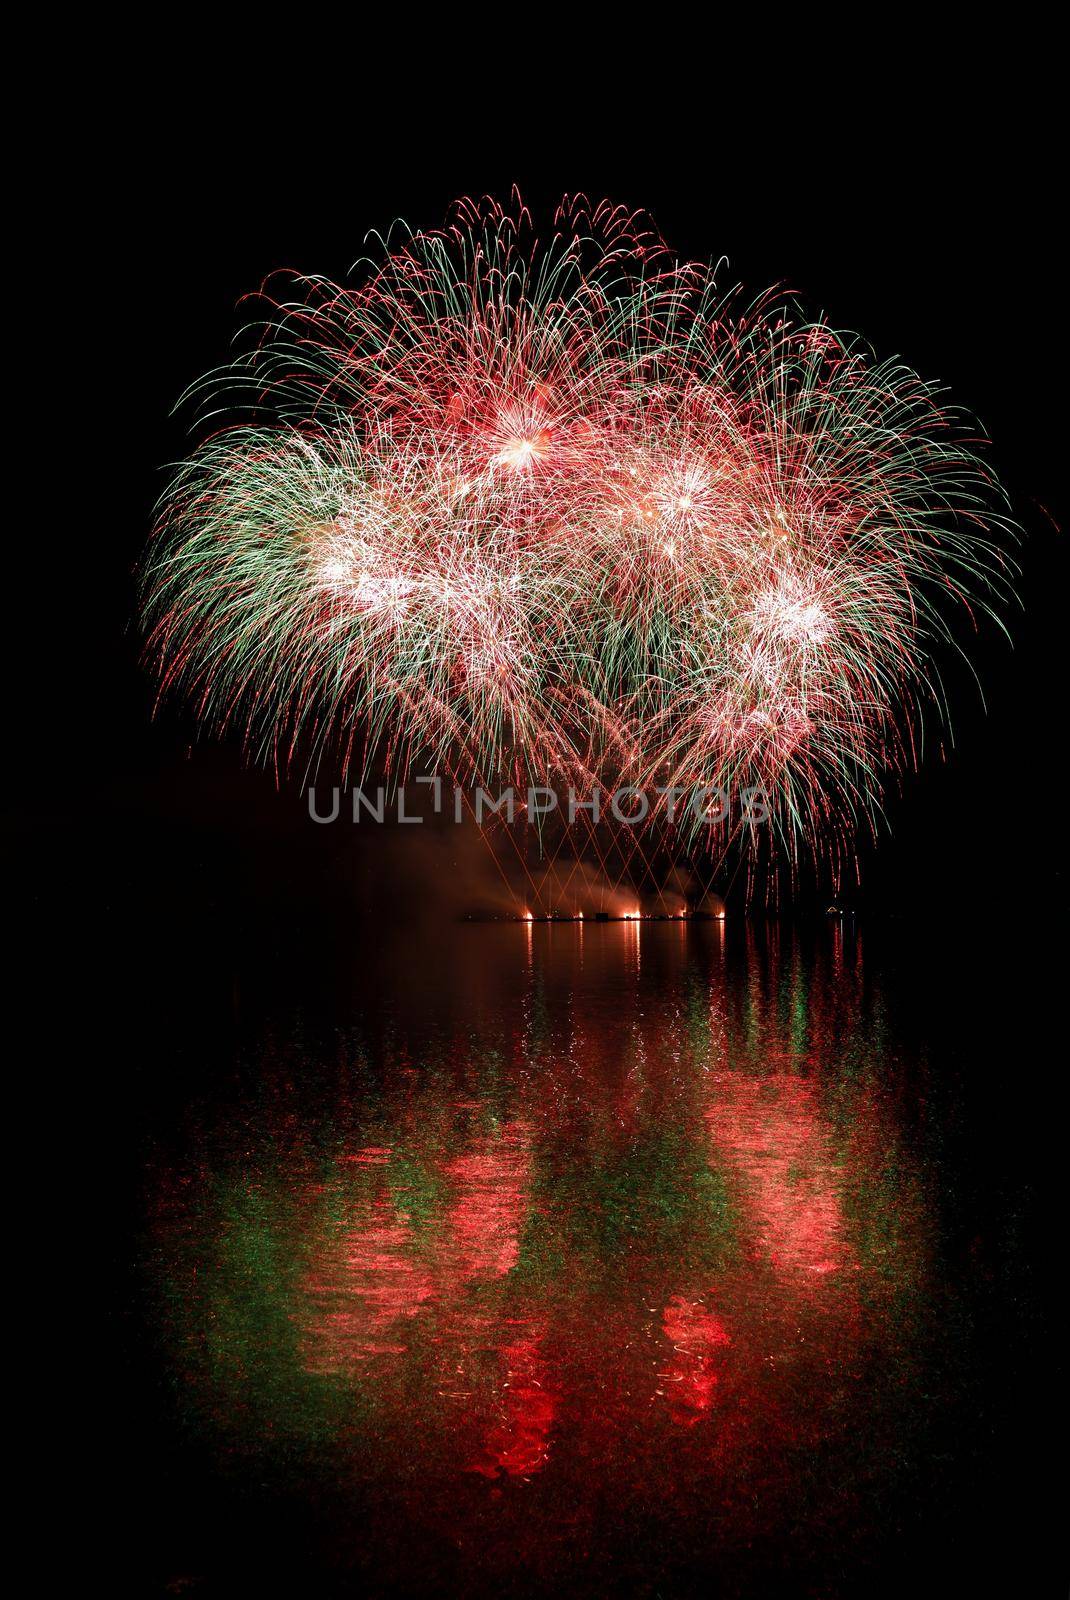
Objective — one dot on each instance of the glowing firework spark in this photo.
(555, 508)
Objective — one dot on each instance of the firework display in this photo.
(549, 508)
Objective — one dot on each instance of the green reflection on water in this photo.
(664, 1220)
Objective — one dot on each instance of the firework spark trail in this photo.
(556, 510)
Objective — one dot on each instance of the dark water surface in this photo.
(644, 1259)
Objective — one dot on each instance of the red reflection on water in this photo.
(517, 1440)
(362, 1284)
(697, 1335)
(772, 1133)
(648, 1241)
(484, 1221)
(652, 1240)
